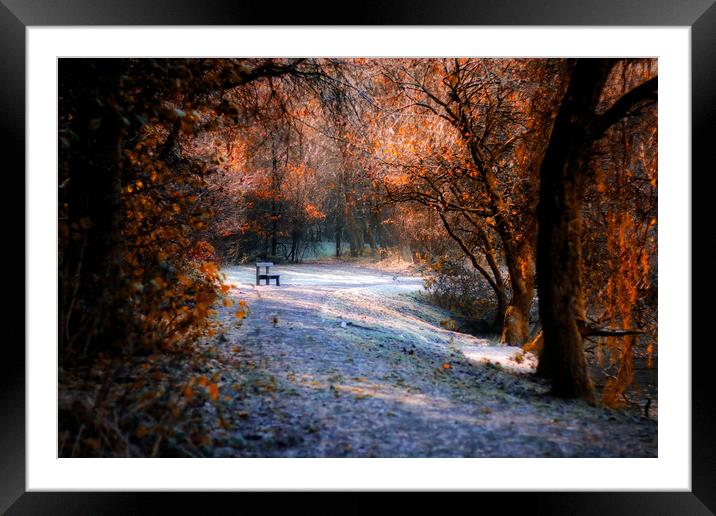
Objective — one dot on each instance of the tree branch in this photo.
(469, 254)
(620, 109)
(588, 329)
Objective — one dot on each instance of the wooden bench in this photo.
(267, 275)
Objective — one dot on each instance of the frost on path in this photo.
(342, 360)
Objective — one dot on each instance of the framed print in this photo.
(317, 183)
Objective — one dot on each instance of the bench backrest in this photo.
(264, 264)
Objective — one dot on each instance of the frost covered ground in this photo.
(347, 361)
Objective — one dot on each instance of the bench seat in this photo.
(268, 278)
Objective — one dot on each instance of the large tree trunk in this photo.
(559, 255)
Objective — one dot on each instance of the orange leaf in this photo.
(240, 314)
(446, 366)
(188, 393)
(93, 443)
(202, 380)
(214, 391)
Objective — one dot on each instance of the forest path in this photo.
(343, 360)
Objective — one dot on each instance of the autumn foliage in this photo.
(170, 168)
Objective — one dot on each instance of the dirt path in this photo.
(345, 361)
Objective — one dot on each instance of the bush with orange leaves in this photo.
(173, 280)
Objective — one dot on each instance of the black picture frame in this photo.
(17, 15)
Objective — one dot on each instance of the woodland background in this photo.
(524, 190)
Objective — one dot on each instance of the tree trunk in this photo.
(515, 329)
(368, 225)
(295, 242)
(339, 230)
(274, 203)
(500, 312)
(516, 320)
(353, 238)
(559, 253)
(560, 290)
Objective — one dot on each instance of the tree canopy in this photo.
(526, 189)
